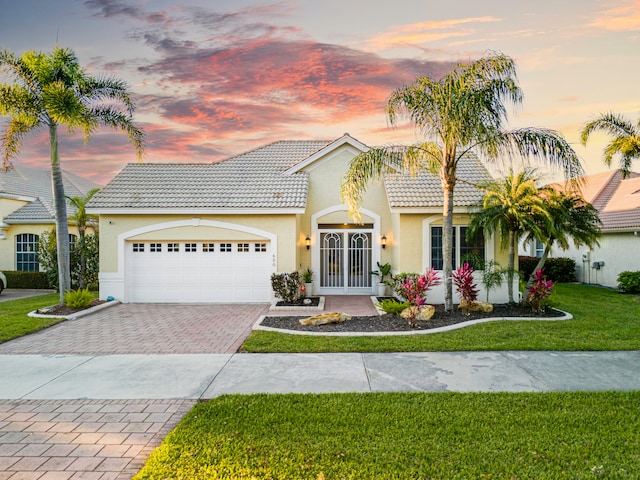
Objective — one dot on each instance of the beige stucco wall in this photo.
(112, 226)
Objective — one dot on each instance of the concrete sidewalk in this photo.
(209, 375)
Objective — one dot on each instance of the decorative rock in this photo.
(476, 306)
(425, 312)
(325, 318)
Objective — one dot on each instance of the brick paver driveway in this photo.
(146, 328)
(109, 439)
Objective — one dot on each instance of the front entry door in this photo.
(345, 262)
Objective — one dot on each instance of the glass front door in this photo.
(345, 262)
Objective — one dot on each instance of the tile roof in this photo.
(425, 190)
(616, 199)
(36, 183)
(250, 180)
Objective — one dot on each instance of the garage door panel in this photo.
(198, 272)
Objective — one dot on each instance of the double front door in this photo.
(345, 262)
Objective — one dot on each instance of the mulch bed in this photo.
(393, 323)
(314, 302)
(61, 310)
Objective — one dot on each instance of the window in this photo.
(155, 247)
(208, 247)
(225, 247)
(173, 247)
(27, 252)
(260, 247)
(190, 247)
(539, 246)
(243, 247)
(138, 247)
(461, 247)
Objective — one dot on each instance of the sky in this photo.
(215, 78)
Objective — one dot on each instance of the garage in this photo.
(198, 271)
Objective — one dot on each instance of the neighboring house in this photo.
(618, 203)
(216, 232)
(26, 211)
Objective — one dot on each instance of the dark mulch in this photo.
(64, 311)
(392, 323)
(314, 302)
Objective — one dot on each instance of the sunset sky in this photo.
(216, 78)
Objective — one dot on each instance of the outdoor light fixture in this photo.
(383, 240)
(308, 241)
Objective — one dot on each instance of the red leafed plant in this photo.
(539, 291)
(414, 288)
(466, 286)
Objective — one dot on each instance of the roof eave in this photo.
(200, 211)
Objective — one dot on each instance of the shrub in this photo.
(415, 288)
(465, 285)
(80, 298)
(392, 306)
(17, 279)
(286, 286)
(557, 269)
(539, 291)
(629, 282)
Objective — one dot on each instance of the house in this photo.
(217, 232)
(26, 211)
(618, 203)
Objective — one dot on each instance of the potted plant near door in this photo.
(307, 278)
(383, 272)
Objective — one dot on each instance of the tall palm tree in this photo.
(83, 220)
(511, 207)
(462, 111)
(626, 139)
(51, 90)
(569, 217)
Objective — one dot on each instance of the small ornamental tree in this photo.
(539, 291)
(465, 284)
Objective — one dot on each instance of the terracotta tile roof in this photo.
(35, 183)
(616, 199)
(250, 180)
(425, 190)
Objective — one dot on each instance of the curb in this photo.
(75, 315)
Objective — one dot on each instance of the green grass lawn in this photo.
(14, 321)
(603, 320)
(405, 436)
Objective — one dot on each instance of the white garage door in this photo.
(198, 272)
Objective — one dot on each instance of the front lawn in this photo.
(405, 435)
(14, 321)
(603, 320)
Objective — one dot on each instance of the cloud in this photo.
(622, 16)
(425, 32)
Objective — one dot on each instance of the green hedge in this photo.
(27, 279)
(629, 282)
(557, 269)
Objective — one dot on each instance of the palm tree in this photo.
(569, 217)
(512, 207)
(83, 220)
(626, 139)
(51, 90)
(462, 111)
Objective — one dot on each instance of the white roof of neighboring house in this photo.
(34, 186)
(269, 178)
(616, 199)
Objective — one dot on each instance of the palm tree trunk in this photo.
(511, 264)
(541, 262)
(62, 225)
(448, 180)
(83, 260)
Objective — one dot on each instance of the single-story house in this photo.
(217, 232)
(27, 211)
(618, 203)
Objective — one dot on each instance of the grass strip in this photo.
(570, 435)
(14, 321)
(603, 320)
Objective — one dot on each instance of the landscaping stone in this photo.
(325, 318)
(475, 306)
(424, 312)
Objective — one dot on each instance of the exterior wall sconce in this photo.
(383, 240)
(308, 242)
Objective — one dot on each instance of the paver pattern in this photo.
(82, 439)
(146, 328)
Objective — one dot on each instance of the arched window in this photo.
(27, 252)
